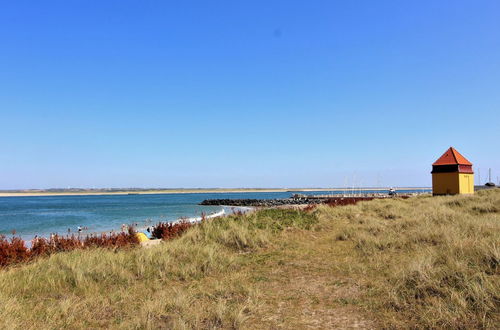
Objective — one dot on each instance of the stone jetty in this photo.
(254, 202)
(302, 200)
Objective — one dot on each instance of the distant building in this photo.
(452, 174)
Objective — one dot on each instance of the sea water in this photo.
(43, 215)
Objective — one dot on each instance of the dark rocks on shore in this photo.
(259, 202)
(332, 201)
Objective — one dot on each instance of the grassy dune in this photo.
(421, 262)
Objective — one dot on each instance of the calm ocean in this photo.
(43, 215)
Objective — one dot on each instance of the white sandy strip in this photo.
(199, 219)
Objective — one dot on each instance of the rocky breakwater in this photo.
(259, 202)
(331, 201)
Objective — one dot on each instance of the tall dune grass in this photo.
(188, 282)
(430, 261)
(423, 262)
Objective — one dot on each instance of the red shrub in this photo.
(169, 230)
(16, 251)
(12, 252)
(40, 247)
(61, 244)
(340, 201)
(309, 207)
(114, 240)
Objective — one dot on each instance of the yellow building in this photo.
(452, 174)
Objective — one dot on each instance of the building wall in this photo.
(445, 183)
(452, 183)
(466, 182)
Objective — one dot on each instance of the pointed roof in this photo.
(452, 157)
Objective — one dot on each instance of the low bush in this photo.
(166, 231)
(12, 251)
(15, 250)
(342, 201)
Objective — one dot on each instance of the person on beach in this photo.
(149, 232)
(79, 229)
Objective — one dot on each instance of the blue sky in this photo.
(245, 93)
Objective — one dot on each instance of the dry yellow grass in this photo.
(428, 261)
(423, 262)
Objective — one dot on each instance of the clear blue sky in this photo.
(245, 93)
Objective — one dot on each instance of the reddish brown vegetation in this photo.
(12, 251)
(112, 241)
(310, 207)
(341, 201)
(169, 230)
(15, 250)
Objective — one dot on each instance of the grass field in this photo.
(421, 262)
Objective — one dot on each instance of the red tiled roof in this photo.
(452, 157)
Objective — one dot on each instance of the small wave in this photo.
(199, 219)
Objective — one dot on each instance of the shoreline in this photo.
(36, 193)
(139, 226)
